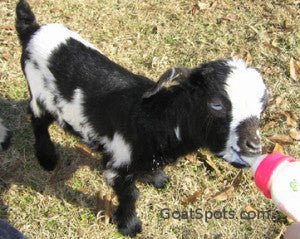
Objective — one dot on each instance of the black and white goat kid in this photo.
(140, 125)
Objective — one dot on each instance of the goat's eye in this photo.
(216, 106)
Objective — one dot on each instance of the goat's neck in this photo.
(175, 117)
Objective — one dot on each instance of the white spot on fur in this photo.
(43, 43)
(110, 176)
(258, 134)
(172, 74)
(43, 89)
(35, 79)
(42, 82)
(72, 111)
(245, 89)
(51, 36)
(177, 133)
(119, 149)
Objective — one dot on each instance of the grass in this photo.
(146, 37)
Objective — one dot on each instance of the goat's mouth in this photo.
(238, 161)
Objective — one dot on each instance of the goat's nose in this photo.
(253, 146)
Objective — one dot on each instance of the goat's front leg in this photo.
(128, 222)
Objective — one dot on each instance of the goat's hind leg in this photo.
(44, 147)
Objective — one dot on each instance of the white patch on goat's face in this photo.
(110, 176)
(177, 133)
(245, 89)
(119, 149)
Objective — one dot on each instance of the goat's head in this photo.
(228, 98)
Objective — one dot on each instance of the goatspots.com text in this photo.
(206, 215)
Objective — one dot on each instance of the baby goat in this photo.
(5, 136)
(140, 125)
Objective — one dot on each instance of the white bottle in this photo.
(278, 176)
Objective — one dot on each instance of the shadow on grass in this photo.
(19, 166)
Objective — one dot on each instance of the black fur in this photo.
(26, 24)
(44, 147)
(127, 220)
(115, 103)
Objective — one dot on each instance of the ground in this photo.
(147, 37)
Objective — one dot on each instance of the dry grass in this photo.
(147, 37)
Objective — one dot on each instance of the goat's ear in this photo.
(172, 77)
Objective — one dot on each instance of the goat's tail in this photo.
(26, 24)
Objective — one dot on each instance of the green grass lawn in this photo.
(147, 37)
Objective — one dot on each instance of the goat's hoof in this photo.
(6, 142)
(48, 158)
(157, 178)
(132, 227)
(160, 180)
(48, 163)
